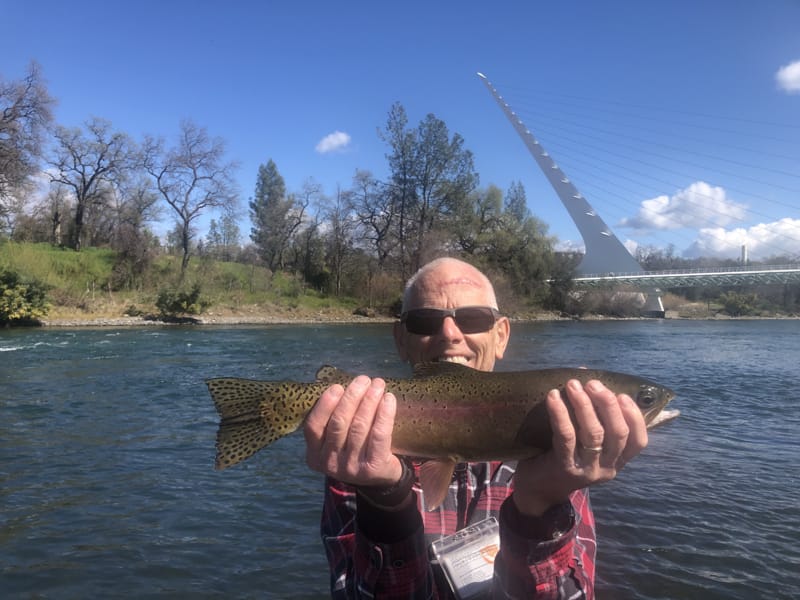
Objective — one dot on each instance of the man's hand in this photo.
(610, 431)
(349, 434)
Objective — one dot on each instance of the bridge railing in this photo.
(698, 271)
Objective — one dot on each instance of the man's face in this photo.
(452, 287)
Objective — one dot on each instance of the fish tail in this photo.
(253, 414)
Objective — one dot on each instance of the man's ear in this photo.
(502, 331)
(400, 340)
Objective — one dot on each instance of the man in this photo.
(376, 533)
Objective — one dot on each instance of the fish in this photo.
(446, 413)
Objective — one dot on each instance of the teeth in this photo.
(454, 359)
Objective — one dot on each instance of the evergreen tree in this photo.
(271, 213)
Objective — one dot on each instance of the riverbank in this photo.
(246, 315)
(255, 315)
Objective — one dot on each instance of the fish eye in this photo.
(646, 397)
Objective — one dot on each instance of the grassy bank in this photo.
(85, 285)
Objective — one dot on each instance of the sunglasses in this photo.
(469, 319)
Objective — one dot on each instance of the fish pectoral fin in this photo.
(435, 477)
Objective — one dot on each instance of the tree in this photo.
(89, 164)
(222, 240)
(134, 205)
(476, 218)
(505, 238)
(373, 208)
(275, 217)
(402, 182)
(516, 202)
(339, 244)
(191, 177)
(25, 116)
(445, 175)
(303, 233)
(431, 174)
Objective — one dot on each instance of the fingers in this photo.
(595, 432)
(351, 422)
(379, 447)
(603, 423)
(317, 420)
(349, 431)
(590, 432)
(615, 427)
(637, 436)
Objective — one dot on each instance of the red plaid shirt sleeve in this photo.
(557, 564)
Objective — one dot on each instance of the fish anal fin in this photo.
(435, 477)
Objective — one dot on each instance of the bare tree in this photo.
(191, 177)
(25, 116)
(376, 213)
(89, 164)
(339, 244)
(302, 228)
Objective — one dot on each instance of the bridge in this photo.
(712, 276)
(606, 261)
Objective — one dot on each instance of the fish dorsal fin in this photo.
(431, 369)
(435, 477)
(329, 374)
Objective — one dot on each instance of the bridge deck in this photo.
(760, 275)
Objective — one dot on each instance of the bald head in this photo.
(449, 284)
(445, 277)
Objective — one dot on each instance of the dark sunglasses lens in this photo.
(474, 320)
(428, 321)
(423, 322)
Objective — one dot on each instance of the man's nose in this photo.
(450, 328)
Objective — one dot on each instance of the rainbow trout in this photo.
(446, 412)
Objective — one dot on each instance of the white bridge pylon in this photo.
(604, 252)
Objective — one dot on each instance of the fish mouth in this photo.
(664, 417)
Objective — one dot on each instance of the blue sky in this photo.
(679, 121)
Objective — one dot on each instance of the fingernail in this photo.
(361, 381)
(594, 386)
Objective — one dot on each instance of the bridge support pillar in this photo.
(653, 307)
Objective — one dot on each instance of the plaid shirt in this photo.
(378, 554)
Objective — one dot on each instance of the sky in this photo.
(678, 121)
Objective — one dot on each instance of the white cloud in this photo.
(788, 77)
(333, 142)
(763, 240)
(631, 246)
(695, 205)
(570, 246)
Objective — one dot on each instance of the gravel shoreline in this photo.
(352, 320)
(208, 320)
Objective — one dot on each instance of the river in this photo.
(107, 446)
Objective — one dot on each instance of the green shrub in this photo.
(172, 303)
(21, 300)
(738, 305)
